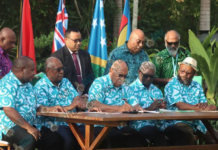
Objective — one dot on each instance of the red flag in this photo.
(26, 47)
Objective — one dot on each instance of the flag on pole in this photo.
(26, 43)
(60, 27)
(97, 43)
(125, 26)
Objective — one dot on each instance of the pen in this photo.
(125, 100)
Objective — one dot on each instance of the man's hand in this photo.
(34, 132)
(163, 104)
(155, 105)
(57, 108)
(210, 108)
(97, 109)
(126, 107)
(201, 105)
(78, 102)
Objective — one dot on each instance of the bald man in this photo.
(18, 110)
(166, 61)
(132, 53)
(7, 43)
(109, 93)
(53, 92)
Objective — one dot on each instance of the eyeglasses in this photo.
(139, 41)
(182, 72)
(59, 69)
(173, 43)
(76, 40)
(120, 75)
(148, 76)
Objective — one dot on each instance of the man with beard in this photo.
(132, 53)
(7, 43)
(151, 98)
(109, 93)
(166, 60)
(182, 93)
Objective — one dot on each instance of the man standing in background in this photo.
(7, 43)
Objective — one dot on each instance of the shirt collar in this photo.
(16, 79)
(50, 84)
(110, 83)
(141, 86)
(72, 52)
(2, 52)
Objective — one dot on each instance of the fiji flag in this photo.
(60, 27)
(125, 26)
(97, 43)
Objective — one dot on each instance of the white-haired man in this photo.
(151, 98)
(166, 60)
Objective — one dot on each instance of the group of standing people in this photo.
(128, 84)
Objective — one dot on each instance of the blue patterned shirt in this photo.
(144, 96)
(193, 94)
(47, 94)
(19, 96)
(103, 90)
(133, 61)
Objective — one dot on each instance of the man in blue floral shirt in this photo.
(151, 98)
(18, 110)
(55, 93)
(109, 93)
(182, 93)
(132, 53)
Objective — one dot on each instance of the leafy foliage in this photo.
(207, 61)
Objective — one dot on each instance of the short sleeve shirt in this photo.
(164, 64)
(47, 94)
(144, 97)
(19, 96)
(5, 63)
(193, 94)
(133, 61)
(103, 90)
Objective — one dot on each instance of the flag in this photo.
(26, 40)
(97, 44)
(125, 26)
(60, 27)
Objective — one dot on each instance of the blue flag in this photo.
(97, 44)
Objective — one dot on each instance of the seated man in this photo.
(109, 93)
(55, 93)
(151, 98)
(182, 93)
(18, 110)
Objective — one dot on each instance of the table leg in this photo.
(210, 130)
(77, 134)
(89, 136)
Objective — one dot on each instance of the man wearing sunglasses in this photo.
(166, 61)
(55, 93)
(77, 61)
(151, 98)
(109, 93)
(132, 53)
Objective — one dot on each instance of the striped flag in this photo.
(125, 26)
(26, 40)
(97, 43)
(60, 27)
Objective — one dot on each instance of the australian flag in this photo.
(60, 27)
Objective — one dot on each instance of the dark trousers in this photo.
(69, 140)
(158, 138)
(125, 137)
(191, 134)
(21, 138)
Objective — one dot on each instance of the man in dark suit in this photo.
(77, 62)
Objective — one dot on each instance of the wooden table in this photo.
(119, 119)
